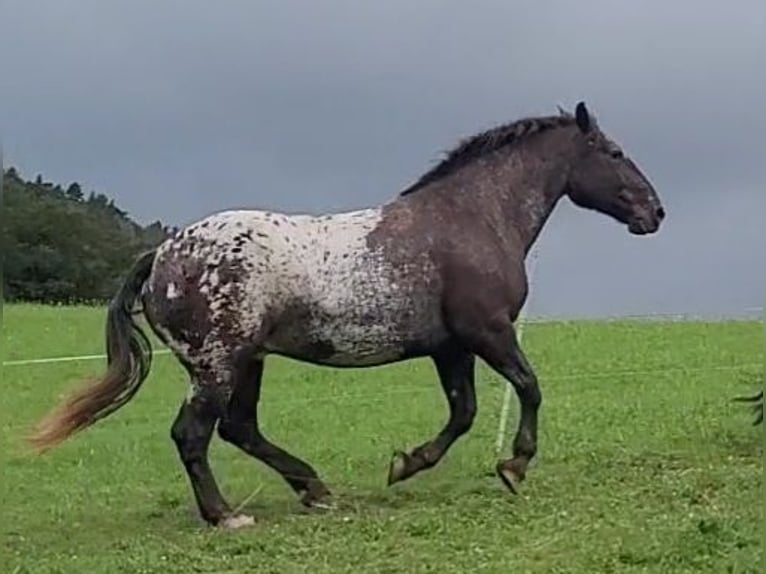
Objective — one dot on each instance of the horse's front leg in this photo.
(498, 345)
(455, 368)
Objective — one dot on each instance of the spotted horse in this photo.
(438, 271)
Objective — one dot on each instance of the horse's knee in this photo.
(466, 418)
(240, 433)
(232, 432)
(191, 432)
(531, 394)
(178, 433)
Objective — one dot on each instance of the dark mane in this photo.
(486, 142)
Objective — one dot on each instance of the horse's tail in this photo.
(129, 356)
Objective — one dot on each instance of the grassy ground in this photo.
(644, 466)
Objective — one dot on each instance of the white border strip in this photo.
(22, 362)
(520, 322)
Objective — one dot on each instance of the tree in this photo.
(59, 248)
(74, 191)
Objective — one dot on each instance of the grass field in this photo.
(644, 464)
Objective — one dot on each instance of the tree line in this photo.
(61, 246)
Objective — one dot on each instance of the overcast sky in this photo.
(179, 108)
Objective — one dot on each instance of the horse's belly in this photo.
(359, 335)
(355, 342)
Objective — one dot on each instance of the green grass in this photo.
(645, 465)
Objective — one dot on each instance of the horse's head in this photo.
(605, 179)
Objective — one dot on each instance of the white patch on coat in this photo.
(356, 302)
(172, 291)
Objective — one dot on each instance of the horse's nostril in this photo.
(660, 213)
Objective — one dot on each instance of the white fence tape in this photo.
(359, 398)
(508, 390)
(523, 320)
(76, 358)
(543, 379)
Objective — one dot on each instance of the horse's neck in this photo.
(525, 193)
(513, 192)
(529, 209)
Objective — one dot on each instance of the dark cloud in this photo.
(182, 108)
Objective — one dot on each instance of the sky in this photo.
(180, 109)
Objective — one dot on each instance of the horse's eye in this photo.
(617, 154)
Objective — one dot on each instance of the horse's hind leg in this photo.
(455, 368)
(191, 432)
(239, 426)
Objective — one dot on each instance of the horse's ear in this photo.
(583, 118)
(562, 112)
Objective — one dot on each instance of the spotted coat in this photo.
(314, 288)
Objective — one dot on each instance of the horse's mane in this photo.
(487, 142)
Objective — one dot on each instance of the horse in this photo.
(437, 271)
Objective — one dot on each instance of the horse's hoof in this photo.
(510, 478)
(324, 504)
(318, 497)
(398, 467)
(237, 521)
